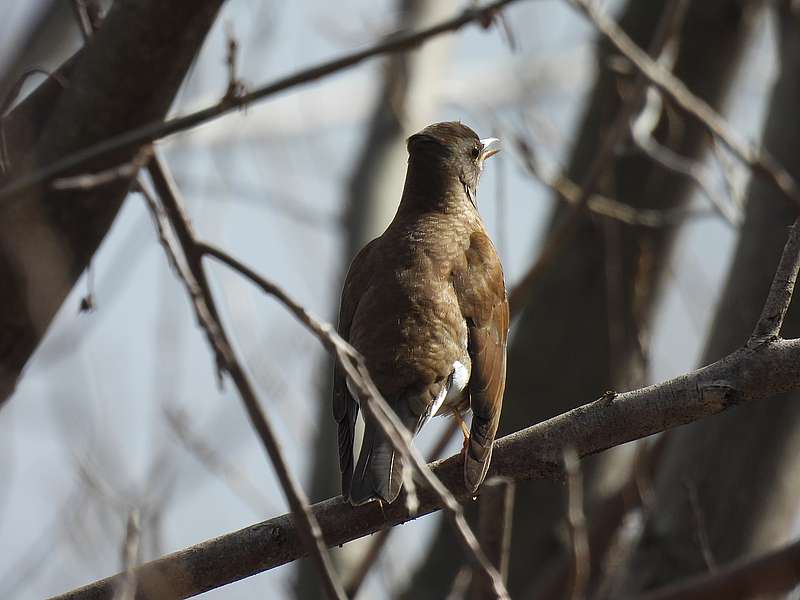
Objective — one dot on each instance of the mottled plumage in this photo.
(425, 304)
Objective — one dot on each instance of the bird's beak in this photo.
(491, 146)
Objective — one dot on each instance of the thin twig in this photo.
(130, 557)
(495, 516)
(671, 160)
(673, 88)
(87, 181)
(159, 129)
(187, 246)
(576, 520)
(701, 531)
(236, 480)
(569, 191)
(780, 292)
(374, 405)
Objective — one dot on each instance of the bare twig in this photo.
(373, 404)
(576, 520)
(193, 278)
(82, 16)
(701, 530)
(673, 88)
(156, 130)
(237, 481)
(87, 181)
(566, 189)
(671, 160)
(780, 292)
(130, 558)
(495, 516)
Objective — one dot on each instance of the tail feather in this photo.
(379, 470)
(478, 455)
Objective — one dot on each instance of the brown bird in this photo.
(425, 304)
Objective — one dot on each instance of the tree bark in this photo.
(127, 75)
(735, 478)
(601, 289)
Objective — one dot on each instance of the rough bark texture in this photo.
(373, 195)
(601, 290)
(126, 76)
(743, 466)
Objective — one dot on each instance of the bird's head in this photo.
(451, 151)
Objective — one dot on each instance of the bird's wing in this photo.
(482, 297)
(345, 407)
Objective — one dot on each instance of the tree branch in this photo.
(746, 375)
(194, 279)
(673, 88)
(159, 129)
(780, 292)
(752, 372)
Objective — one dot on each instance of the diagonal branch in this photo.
(159, 129)
(748, 374)
(673, 88)
(192, 274)
(533, 453)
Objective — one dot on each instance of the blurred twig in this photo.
(576, 520)
(495, 516)
(130, 558)
(759, 160)
(237, 481)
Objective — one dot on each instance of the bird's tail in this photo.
(379, 471)
(478, 453)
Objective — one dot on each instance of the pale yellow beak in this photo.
(491, 146)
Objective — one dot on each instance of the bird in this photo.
(425, 305)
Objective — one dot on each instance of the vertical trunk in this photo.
(602, 289)
(727, 487)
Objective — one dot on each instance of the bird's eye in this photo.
(476, 152)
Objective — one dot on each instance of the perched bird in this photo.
(425, 304)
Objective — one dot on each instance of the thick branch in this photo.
(533, 453)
